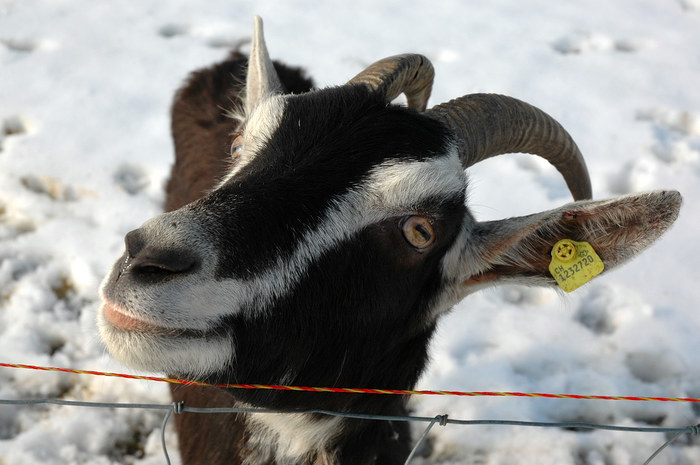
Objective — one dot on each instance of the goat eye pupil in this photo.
(418, 231)
(423, 232)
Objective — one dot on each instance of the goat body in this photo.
(317, 239)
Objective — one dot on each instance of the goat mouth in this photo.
(118, 317)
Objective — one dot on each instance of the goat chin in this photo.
(150, 348)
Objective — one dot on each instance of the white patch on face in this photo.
(257, 130)
(461, 261)
(405, 184)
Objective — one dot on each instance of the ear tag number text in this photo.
(574, 264)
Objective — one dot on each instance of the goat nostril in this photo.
(170, 261)
(134, 242)
(146, 261)
(162, 263)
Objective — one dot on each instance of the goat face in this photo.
(332, 227)
(340, 234)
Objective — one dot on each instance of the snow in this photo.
(85, 149)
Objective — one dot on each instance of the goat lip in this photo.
(117, 317)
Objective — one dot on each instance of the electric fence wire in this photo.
(443, 420)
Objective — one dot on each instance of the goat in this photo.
(317, 239)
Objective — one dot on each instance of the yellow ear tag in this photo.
(574, 264)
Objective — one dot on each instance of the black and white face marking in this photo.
(316, 174)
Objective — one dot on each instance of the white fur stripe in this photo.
(391, 189)
(257, 130)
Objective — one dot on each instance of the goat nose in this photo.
(146, 259)
(134, 242)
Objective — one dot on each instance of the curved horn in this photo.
(487, 125)
(411, 74)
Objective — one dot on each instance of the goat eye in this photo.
(418, 231)
(237, 146)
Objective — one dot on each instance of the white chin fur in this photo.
(167, 353)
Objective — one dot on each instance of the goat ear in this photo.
(262, 80)
(519, 249)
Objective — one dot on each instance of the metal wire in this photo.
(180, 407)
(438, 419)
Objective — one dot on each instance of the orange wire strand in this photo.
(353, 390)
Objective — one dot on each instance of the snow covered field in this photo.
(85, 88)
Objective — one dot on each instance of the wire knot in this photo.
(694, 430)
(442, 419)
(178, 407)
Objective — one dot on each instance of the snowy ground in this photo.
(85, 88)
